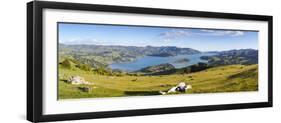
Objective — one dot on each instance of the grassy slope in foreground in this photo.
(230, 78)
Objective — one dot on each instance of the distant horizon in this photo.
(119, 35)
(162, 46)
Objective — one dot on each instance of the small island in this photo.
(184, 60)
(162, 54)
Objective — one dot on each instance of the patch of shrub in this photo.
(68, 64)
(84, 67)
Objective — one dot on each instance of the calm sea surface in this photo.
(153, 60)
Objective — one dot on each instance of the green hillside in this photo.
(229, 78)
(101, 55)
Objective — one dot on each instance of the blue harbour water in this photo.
(146, 61)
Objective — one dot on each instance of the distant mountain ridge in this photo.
(147, 50)
(240, 56)
(118, 54)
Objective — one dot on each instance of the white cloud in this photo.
(174, 33)
(238, 33)
(78, 41)
(220, 33)
(102, 42)
(180, 33)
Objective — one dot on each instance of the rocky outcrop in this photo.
(182, 87)
(77, 80)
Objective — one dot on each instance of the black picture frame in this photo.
(35, 69)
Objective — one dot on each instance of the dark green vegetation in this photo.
(157, 68)
(167, 69)
(228, 71)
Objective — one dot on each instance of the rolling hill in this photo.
(228, 78)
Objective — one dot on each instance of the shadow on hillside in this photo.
(141, 93)
(245, 74)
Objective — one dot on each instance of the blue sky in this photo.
(199, 39)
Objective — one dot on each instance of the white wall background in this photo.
(13, 61)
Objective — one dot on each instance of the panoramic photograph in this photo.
(102, 60)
